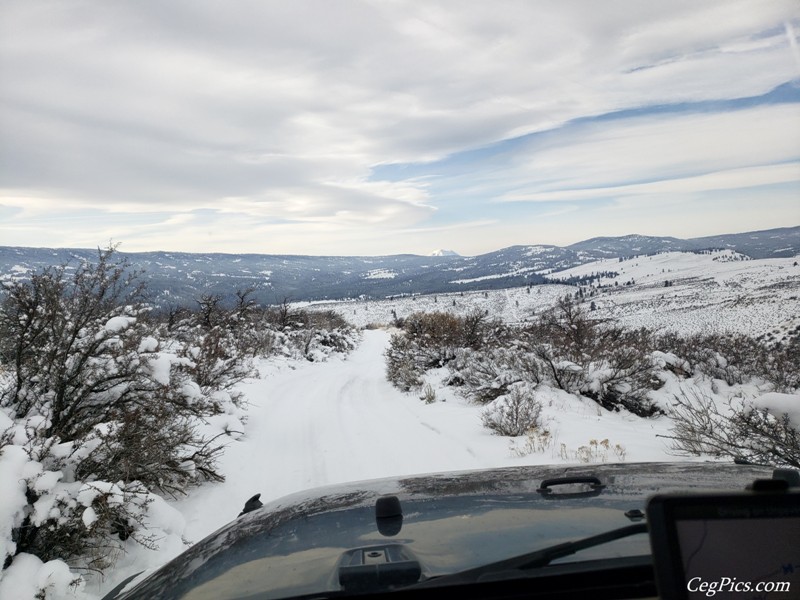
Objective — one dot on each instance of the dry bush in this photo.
(428, 394)
(283, 316)
(436, 336)
(742, 432)
(327, 319)
(514, 414)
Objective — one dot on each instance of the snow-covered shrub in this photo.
(326, 320)
(284, 316)
(477, 331)
(94, 396)
(597, 359)
(515, 413)
(733, 358)
(215, 344)
(737, 358)
(247, 331)
(71, 344)
(564, 348)
(340, 339)
(488, 373)
(214, 361)
(626, 375)
(29, 577)
(402, 369)
(54, 515)
(782, 366)
(159, 447)
(739, 429)
(670, 362)
(316, 343)
(433, 340)
(220, 340)
(568, 333)
(559, 371)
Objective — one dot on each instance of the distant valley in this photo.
(180, 278)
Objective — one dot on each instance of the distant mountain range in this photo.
(180, 278)
(770, 243)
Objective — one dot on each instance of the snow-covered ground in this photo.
(511, 305)
(709, 293)
(340, 421)
(311, 424)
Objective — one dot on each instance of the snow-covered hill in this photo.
(711, 292)
(181, 278)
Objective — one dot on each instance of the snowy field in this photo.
(709, 293)
(312, 424)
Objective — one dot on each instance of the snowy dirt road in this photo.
(313, 424)
(322, 423)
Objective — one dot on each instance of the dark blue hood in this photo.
(450, 522)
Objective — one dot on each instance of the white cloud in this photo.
(677, 153)
(792, 39)
(279, 110)
(733, 179)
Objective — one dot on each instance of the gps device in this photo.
(740, 545)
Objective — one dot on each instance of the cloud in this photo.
(733, 179)
(280, 112)
(792, 39)
(677, 153)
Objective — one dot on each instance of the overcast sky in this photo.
(389, 126)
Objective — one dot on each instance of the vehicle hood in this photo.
(450, 522)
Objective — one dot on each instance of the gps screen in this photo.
(743, 546)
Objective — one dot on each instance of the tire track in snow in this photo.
(324, 423)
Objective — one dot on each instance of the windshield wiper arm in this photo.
(535, 559)
(545, 556)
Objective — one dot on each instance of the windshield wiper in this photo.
(533, 560)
